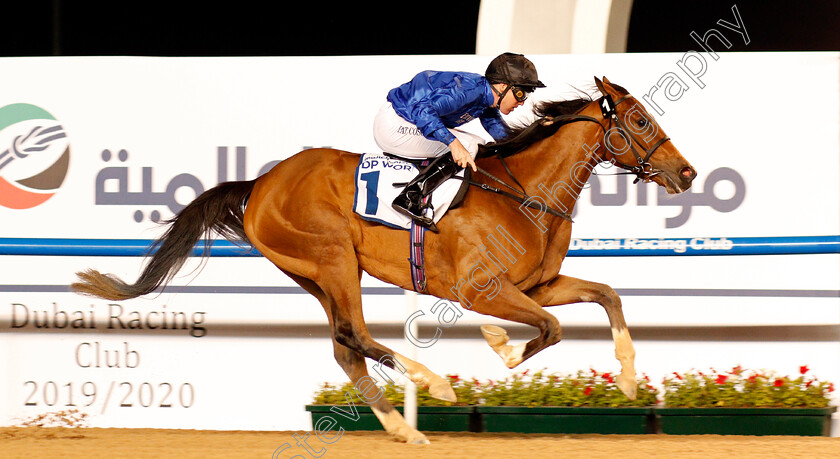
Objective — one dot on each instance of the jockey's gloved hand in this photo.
(460, 154)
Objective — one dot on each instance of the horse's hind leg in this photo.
(329, 262)
(349, 329)
(353, 364)
(566, 290)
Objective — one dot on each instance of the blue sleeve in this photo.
(443, 101)
(428, 121)
(493, 123)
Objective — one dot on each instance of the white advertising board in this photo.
(142, 136)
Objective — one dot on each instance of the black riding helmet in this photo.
(513, 69)
(517, 72)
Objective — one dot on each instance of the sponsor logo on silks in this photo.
(34, 156)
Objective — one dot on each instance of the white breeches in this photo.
(395, 135)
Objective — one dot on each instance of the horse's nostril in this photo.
(687, 173)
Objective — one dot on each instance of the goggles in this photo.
(520, 94)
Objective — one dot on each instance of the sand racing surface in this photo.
(30, 442)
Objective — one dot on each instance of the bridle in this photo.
(643, 170)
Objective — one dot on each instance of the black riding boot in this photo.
(410, 201)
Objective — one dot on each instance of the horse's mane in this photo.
(522, 136)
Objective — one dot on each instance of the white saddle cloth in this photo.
(375, 176)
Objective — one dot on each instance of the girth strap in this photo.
(417, 241)
(416, 258)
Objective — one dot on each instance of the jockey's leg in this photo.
(397, 136)
(410, 202)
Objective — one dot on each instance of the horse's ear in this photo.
(606, 80)
(600, 85)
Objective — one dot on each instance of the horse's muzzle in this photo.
(687, 175)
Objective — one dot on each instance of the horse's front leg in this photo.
(503, 300)
(566, 290)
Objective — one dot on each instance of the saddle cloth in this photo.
(375, 176)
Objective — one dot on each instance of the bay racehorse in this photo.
(299, 216)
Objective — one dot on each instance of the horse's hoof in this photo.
(495, 336)
(512, 355)
(627, 384)
(421, 440)
(443, 391)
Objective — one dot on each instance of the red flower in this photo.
(455, 378)
(526, 372)
(608, 378)
(587, 391)
(737, 370)
(752, 378)
(721, 379)
(779, 382)
(808, 384)
(677, 375)
(803, 369)
(831, 387)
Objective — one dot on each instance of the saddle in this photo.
(380, 177)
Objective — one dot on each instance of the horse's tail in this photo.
(220, 209)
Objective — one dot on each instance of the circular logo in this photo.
(34, 156)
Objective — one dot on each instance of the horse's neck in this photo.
(561, 164)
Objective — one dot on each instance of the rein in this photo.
(521, 196)
(643, 171)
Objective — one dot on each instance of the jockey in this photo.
(419, 120)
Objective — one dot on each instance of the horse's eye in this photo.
(642, 122)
